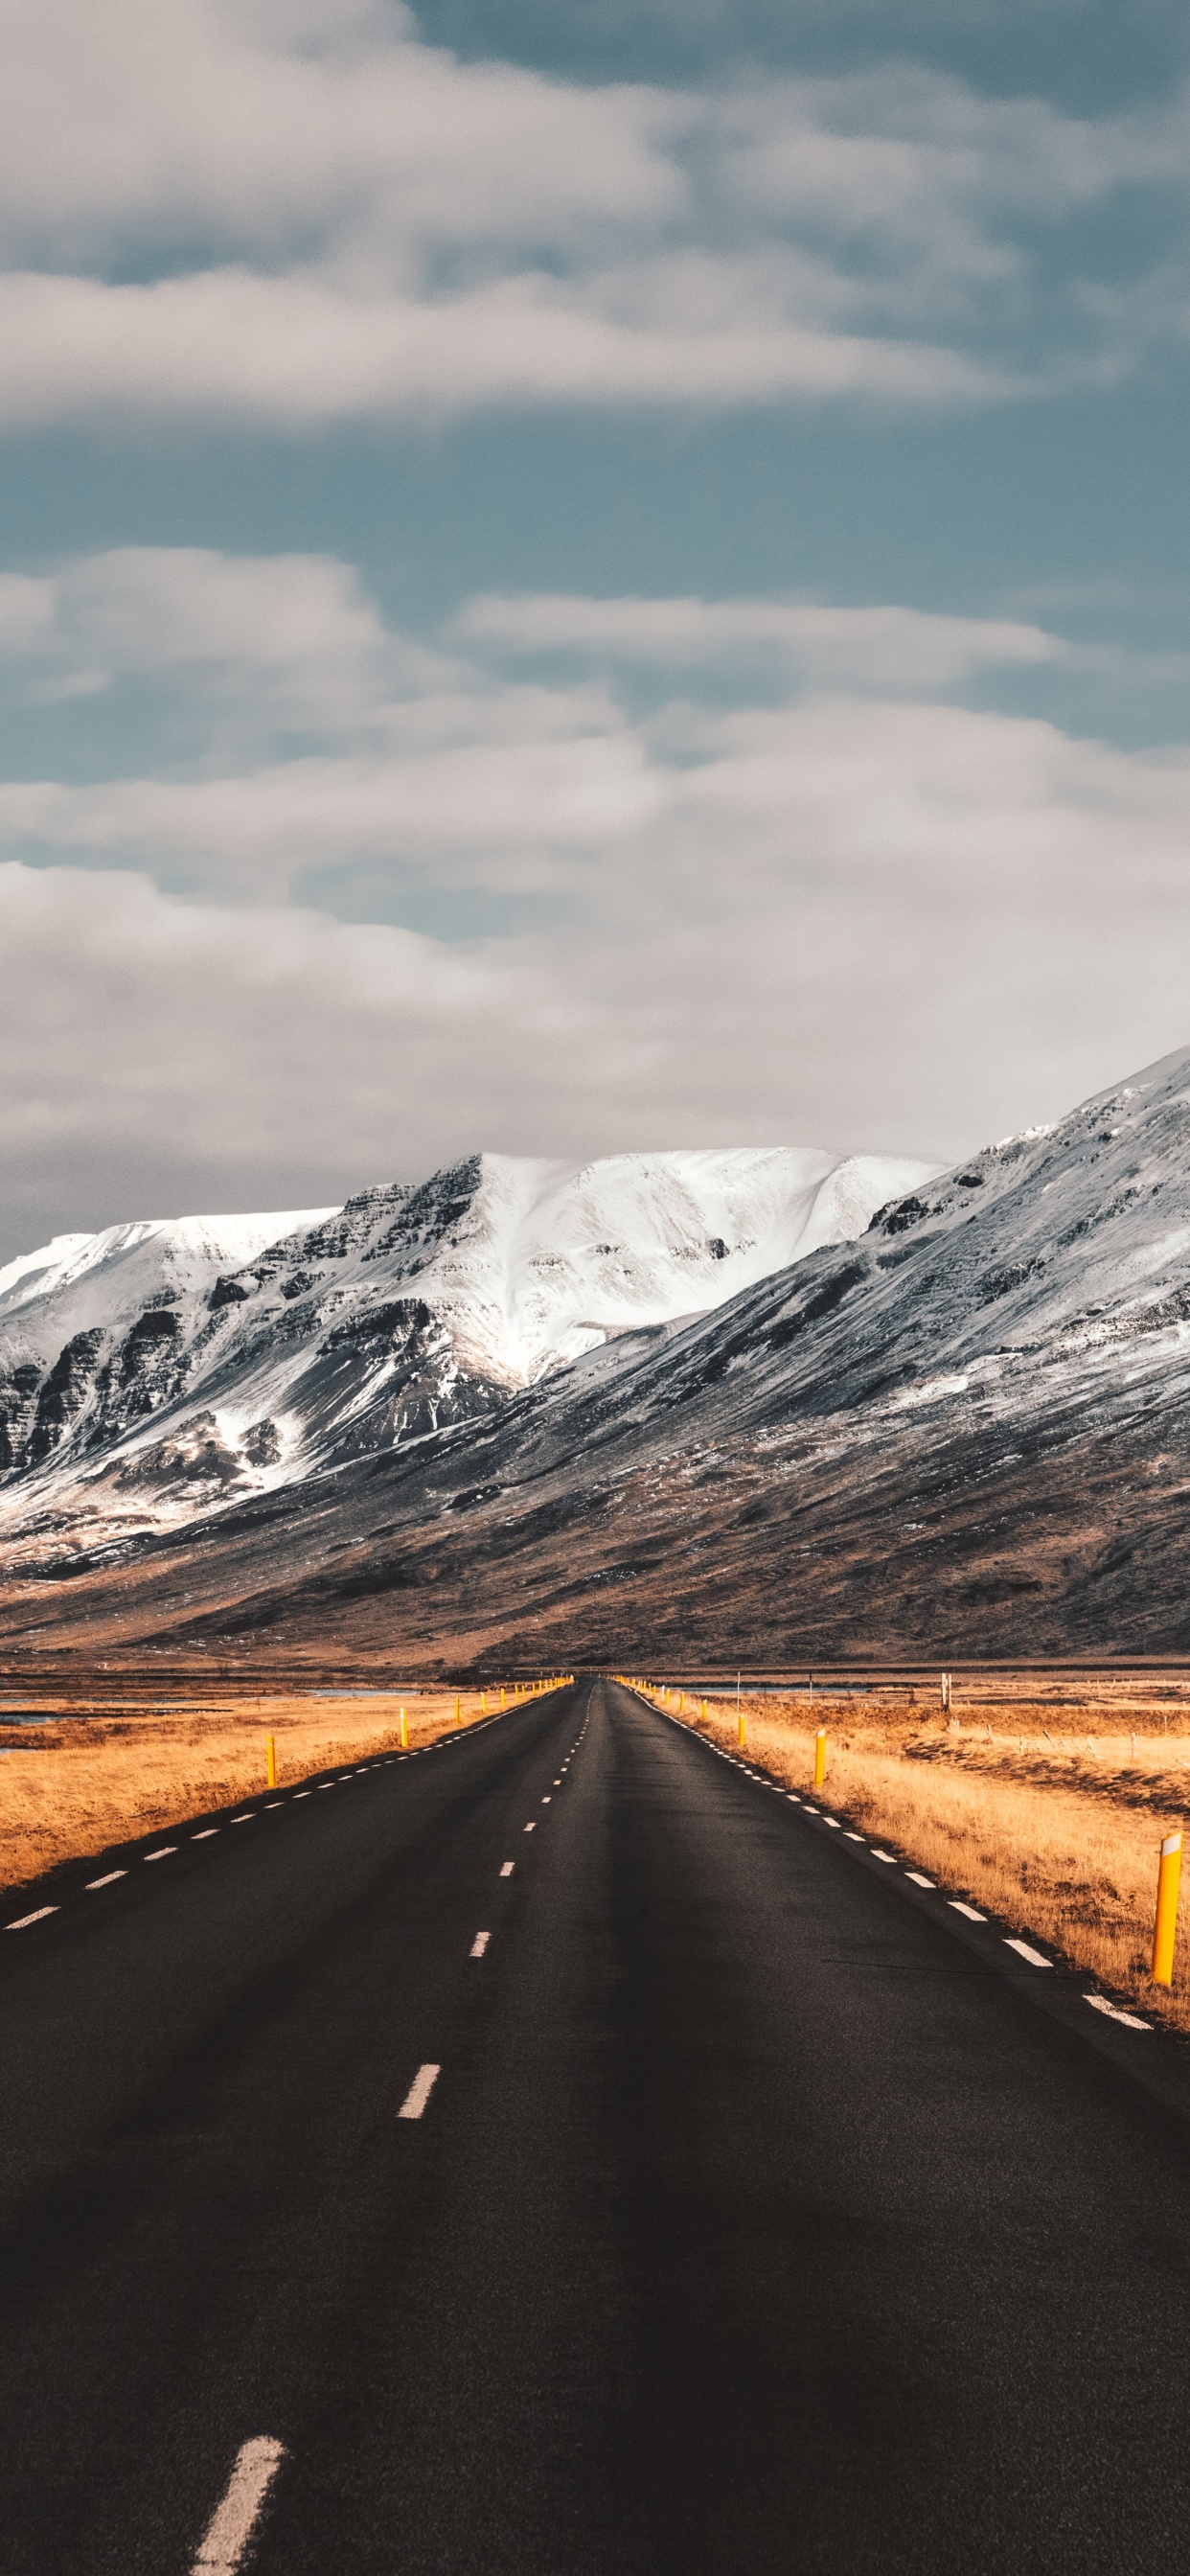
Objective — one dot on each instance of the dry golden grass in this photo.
(105, 1773)
(1057, 1832)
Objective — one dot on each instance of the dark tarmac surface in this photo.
(756, 2220)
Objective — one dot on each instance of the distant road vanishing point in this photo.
(671, 2189)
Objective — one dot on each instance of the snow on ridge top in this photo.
(80, 1280)
(560, 1255)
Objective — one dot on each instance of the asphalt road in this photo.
(757, 2218)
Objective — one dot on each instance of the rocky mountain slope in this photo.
(158, 1369)
(966, 1431)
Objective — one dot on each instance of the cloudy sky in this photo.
(582, 578)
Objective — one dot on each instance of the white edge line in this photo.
(1116, 2012)
(1023, 1951)
(419, 2092)
(480, 1944)
(957, 1907)
(234, 2519)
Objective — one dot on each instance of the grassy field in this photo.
(1049, 1809)
(102, 1772)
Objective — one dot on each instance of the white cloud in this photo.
(850, 923)
(887, 647)
(442, 763)
(164, 122)
(719, 918)
(301, 351)
(291, 217)
(298, 631)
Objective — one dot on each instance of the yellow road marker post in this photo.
(483, 1703)
(458, 1712)
(502, 1699)
(404, 1734)
(704, 1712)
(1165, 1927)
(270, 1747)
(820, 1757)
(743, 1731)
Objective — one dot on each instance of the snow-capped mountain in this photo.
(174, 1364)
(89, 1323)
(966, 1431)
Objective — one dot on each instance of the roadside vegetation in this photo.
(1048, 1811)
(103, 1772)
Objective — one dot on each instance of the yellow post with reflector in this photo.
(404, 1734)
(483, 1702)
(820, 1757)
(270, 1747)
(743, 1731)
(1165, 1928)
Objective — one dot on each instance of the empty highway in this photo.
(557, 2154)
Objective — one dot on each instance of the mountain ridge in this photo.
(178, 1364)
(963, 1431)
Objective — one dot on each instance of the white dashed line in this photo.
(109, 1881)
(794, 1801)
(890, 1857)
(546, 1800)
(419, 2092)
(23, 1921)
(1116, 2012)
(1023, 1951)
(957, 1906)
(243, 1820)
(206, 1835)
(271, 1805)
(235, 2517)
(854, 1838)
(810, 1811)
(508, 1869)
(480, 1944)
(918, 1880)
(164, 1851)
(530, 1829)
(328, 1784)
(302, 1793)
(834, 1824)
